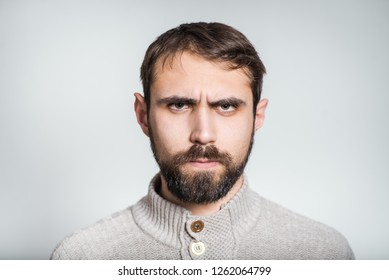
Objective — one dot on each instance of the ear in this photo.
(260, 113)
(141, 113)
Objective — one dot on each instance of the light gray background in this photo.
(71, 151)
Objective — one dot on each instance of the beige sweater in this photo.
(247, 227)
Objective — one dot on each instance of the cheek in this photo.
(236, 136)
(168, 134)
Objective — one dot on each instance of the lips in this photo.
(203, 163)
(204, 160)
(202, 157)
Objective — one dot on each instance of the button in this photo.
(197, 226)
(197, 248)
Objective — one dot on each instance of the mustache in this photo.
(196, 152)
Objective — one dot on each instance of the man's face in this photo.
(201, 126)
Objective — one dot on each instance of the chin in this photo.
(193, 171)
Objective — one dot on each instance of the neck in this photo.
(201, 209)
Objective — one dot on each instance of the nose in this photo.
(203, 127)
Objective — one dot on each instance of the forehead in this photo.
(189, 72)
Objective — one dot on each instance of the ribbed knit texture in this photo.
(247, 227)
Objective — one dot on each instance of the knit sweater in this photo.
(247, 227)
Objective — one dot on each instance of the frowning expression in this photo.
(200, 122)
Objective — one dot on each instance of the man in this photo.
(201, 107)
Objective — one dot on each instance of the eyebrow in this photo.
(231, 101)
(177, 99)
(191, 101)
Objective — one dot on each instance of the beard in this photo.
(200, 187)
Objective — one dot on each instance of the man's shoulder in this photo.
(289, 234)
(98, 240)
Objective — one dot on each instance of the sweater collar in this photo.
(168, 222)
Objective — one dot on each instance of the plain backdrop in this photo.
(71, 151)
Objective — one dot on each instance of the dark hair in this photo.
(213, 41)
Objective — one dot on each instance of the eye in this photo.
(227, 107)
(178, 106)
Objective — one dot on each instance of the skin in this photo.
(196, 101)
